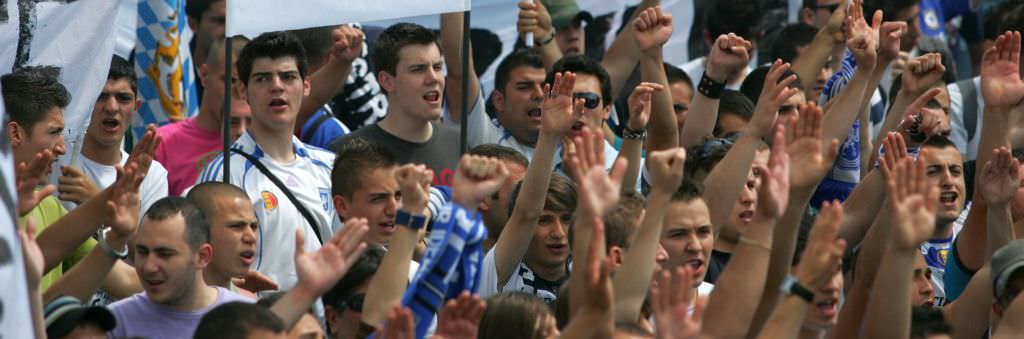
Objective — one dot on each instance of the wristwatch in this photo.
(791, 286)
(631, 134)
(413, 221)
(122, 254)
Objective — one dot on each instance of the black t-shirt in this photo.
(440, 153)
(716, 265)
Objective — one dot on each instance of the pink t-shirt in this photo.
(185, 150)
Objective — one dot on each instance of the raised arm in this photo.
(1003, 89)
(744, 278)
(633, 277)
(329, 79)
(320, 270)
(999, 181)
(621, 57)
(595, 317)
(729, 54)
(921, 74)
(814, 58)
(651, 30)
(820, 259)
(639, 113)
(534, 18)
(726, 180)
(913, 202)
(862, 41)
(559, 112)
(388, 285)
(123, 218)
(451, 44)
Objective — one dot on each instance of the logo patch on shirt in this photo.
(269, 200)
(325, 199)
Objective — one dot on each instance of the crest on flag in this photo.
(163, 65)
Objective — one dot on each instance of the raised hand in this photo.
(862, 39)
(805, 148)
(921, 73)
(1001, 85)
(895, 151)
(1000, 178)
(320, 270)
(774, 93)
(651, 29)
(146, 146)
(773, 195)
(599, 191)
(348, 44)
(728, 55)
(74, 186)
(824, 249)
(671, 298)
(28, 176)
(123, 205)
(889, 34)
(460, 318)
(398, 326)
(559, 111)
(640, 104)
(414, 183)
(254, 281)
(836, 24)
(913, 201)
(666, 169)
(921, 122)
(533, 17)
(476, 179)
(32, 254)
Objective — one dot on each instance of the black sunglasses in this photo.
(591, 100)
(354, 303)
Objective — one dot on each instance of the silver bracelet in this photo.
(122, 254)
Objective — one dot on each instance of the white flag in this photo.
(252, 17)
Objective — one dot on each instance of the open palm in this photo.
(1001, 84)
(322, 269)
(806, 148)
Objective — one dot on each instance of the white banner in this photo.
(75, 35)
(16, 315)
(252, 17)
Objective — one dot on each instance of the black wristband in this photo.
(631, 134)
(709, 87)
(547, 40)
(793, 287)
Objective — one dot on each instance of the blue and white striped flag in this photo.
(163, 65)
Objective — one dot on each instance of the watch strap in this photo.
(792, 286)
(122, 254)
(413, 221)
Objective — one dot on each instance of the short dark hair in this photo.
(237, 320)
(389, 43)
(688, 190)
(271, 45)
(926, 322)
(938, 141)
(560, 197)
(202, 195)
(622, 221)
(754, 83)
(30, 92)
(742, 17)
(195, 8)
(734, 103)
(676, 74)
(889, 8)
(527, 57)
(122, 69)
(356, 157)
(1013, 21)
(197, 227)
(500, 152)
(580, 64)
(317, 42)
(790, 38)
(361, 271)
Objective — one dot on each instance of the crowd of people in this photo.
(854, 184)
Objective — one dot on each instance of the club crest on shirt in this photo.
(269, 200)
(325, 199)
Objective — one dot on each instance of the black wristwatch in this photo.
(793, 287)
(413, 221)
(631, 134)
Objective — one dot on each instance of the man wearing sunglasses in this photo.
(817, 12)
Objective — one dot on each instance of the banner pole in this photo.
(226, 115)
(463, 146)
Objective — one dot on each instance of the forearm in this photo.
(85, 277)
(518, 231)
(892, 119)
(851, 316)
(888, 312)
(622, 55)
(550, 54)
(846, 106)
(726, 180)
(700, 121)
(62, 237)
(969, 313)
(324, 84)
(122, 281)
(873, 248)
(631, 151)
(1000, 228)
(36, 305)
(580, 244)
(814, 58)
(786, 320)
(294, 304)
(972, 242)
(589, 323)
(861, 207)
(388, 285)
(634, 276)
(451, 43)
(742, 280)
(662, 130)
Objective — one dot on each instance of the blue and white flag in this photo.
(163, 65)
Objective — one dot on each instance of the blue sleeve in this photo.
(955, 8)
(955, 279)
(326, 133)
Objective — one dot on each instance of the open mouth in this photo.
(110, 124)
(278, 104)
(578, 126)
(746, 216)
(387, 227)
(533, 113)
(827, 307)
(557, 248)
(432, 97)
(152, 282)
(695, 264)
(948, 197)
(247, 256)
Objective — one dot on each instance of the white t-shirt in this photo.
(969, 148)
(521, 280)
(153, 188)
(308, 178)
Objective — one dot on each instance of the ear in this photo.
(498, 99)
(331, 318)
(138, 103)
(708, 39)
(205, 255)
(606, 113)
(341, 206)
(616, 253)
(15, 134)
(204, 73)
(305, 86)
(192, 24)
(997, 309)
(807, 16)
(386, 81)
(484, 206)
